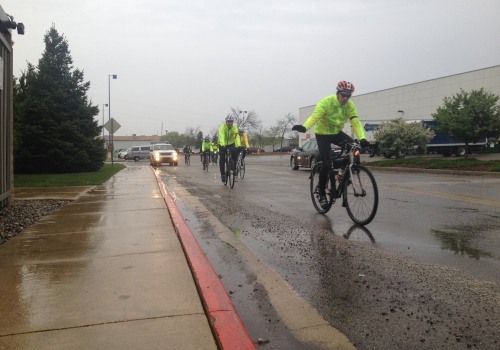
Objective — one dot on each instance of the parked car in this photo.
(163, 153)
(138, 152)
(283, 149)
(307, 155)
(123, 153)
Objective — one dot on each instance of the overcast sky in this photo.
(185, 63)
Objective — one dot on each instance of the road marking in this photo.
(452, 196)
(303, 320)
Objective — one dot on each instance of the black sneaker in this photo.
(223, 178)
(323, 201)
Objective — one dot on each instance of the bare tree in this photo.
(191, 135)
(258, 137)
(285, 125)
(248, 120)
(273, 134)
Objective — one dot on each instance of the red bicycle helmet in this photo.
(345, 87)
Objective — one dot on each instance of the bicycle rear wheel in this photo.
(361, 195)
(314, 177)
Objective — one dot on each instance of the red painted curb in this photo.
(229, 330)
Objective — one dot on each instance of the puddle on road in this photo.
(464, 240)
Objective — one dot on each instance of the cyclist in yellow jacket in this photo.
(243, 144)
(328, 119)
(206, 149)
(215, 152)
(227, 139)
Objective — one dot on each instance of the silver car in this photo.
(163, 153)
(138, 152)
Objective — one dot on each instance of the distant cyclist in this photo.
(187, 153)
(329, 118)
(243, 144)
(206, 149)
(227, 139)
(215, 152)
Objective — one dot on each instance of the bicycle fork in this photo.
(357, 185)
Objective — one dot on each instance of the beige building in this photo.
(124, 142)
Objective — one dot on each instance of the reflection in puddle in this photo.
(359, 233)
(462, 240)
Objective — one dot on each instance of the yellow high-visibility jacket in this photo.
(227, 135)
(329, 117)
(242, 140)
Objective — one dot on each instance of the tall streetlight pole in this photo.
(111, 146)
(242, 115)
(103, 105)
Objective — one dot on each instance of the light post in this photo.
(242, 115)
(111, 146)
(103, 105)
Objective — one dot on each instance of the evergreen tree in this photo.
(55, 130)
(199, 139)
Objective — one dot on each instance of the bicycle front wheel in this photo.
(314, 189)
(361, 195)
(226, 169)
(242, 168)
(231, 171)
(205, 163)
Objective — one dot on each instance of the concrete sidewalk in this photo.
(115, 269)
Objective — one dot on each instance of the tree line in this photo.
(250, 121)
(55, 130)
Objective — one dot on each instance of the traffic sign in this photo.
(112, 126)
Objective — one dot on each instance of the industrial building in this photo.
(415, 101)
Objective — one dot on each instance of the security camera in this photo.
(20, 28)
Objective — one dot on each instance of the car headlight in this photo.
(157, 156)
(174, 155)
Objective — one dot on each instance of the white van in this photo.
(138, 152)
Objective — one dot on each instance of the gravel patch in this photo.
(23, 213)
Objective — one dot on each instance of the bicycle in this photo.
(215, 155)
(350, 180)
(229, 168)
(240, 166)
(187, 158)
(206, 162)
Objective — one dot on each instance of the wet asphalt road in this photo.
(423, 275)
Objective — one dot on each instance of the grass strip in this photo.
(68, 179)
